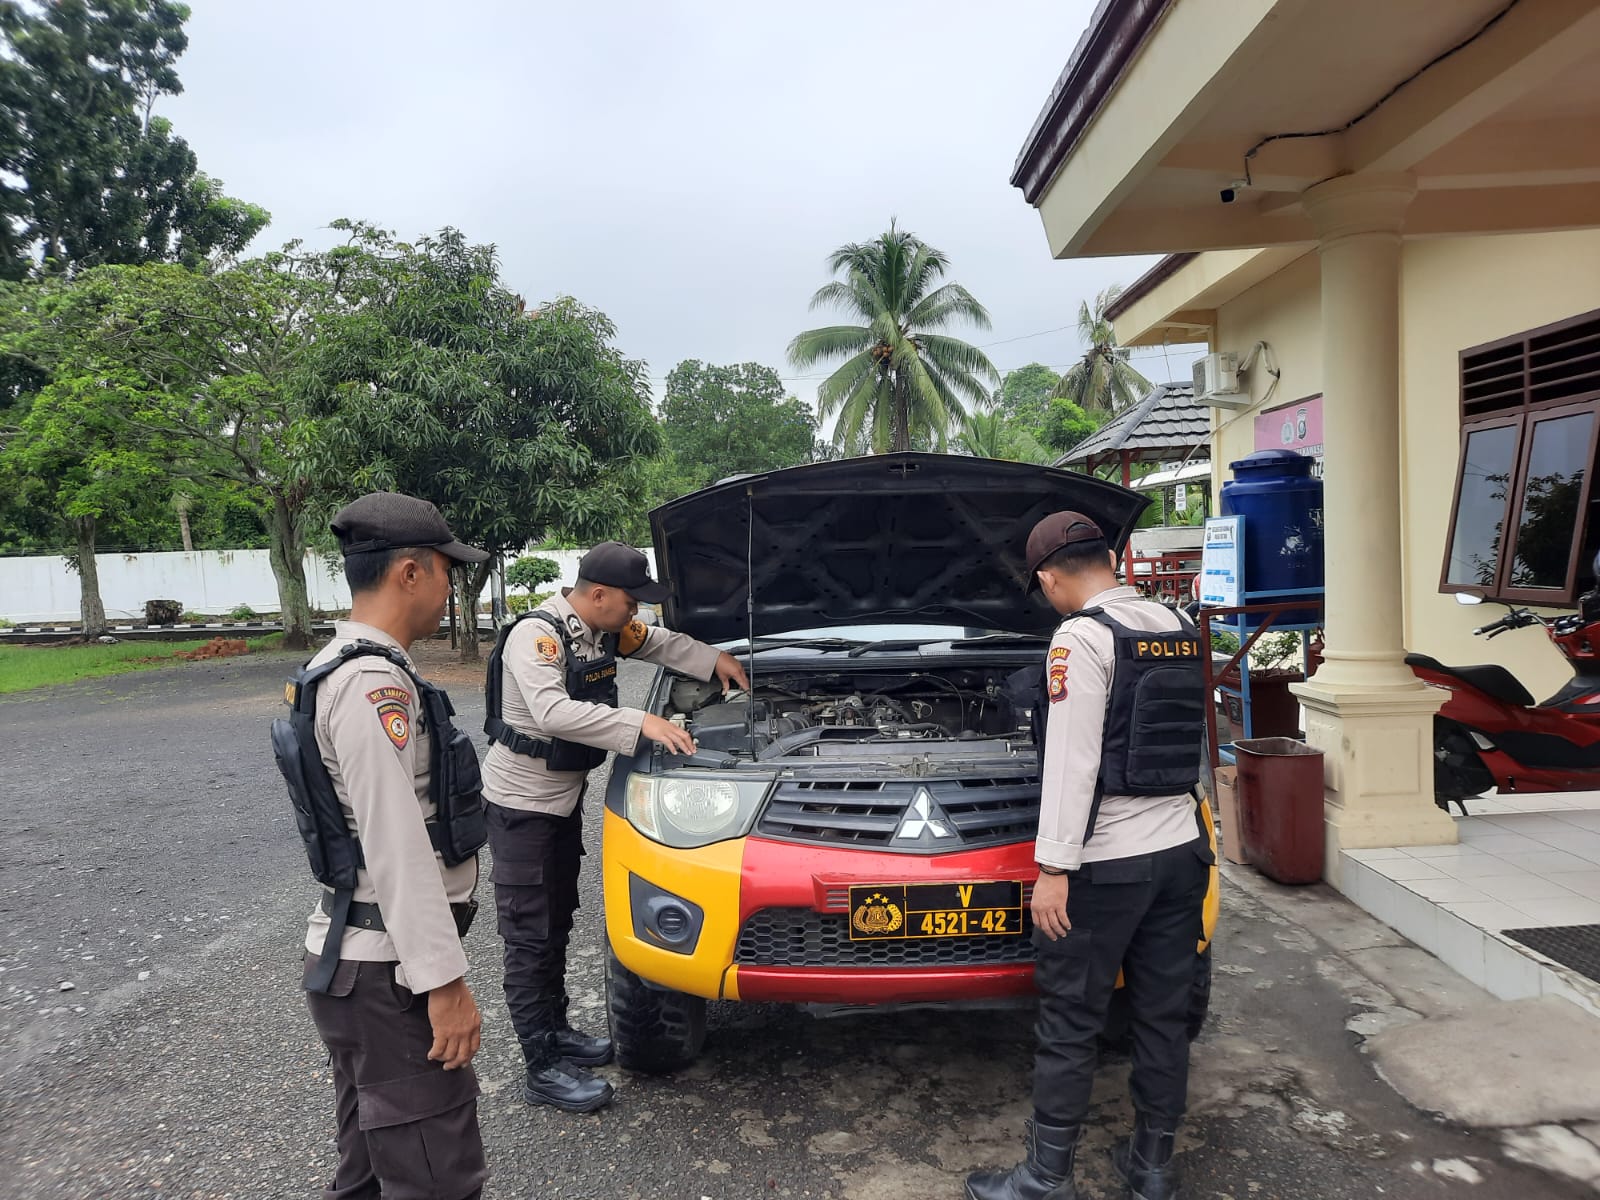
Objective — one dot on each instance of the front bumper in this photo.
(806, 886)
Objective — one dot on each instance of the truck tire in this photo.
(654, 1030)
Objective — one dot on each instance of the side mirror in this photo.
(1468, 598)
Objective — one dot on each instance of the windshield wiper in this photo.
(1003, 639)
(760, 644)
(891, 644)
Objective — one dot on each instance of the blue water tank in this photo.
(1281, 502)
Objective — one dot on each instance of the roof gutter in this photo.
(1102, 56)
(1148, 282)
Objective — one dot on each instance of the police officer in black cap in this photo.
(551, 699)
(387, 798)
(1124, 862)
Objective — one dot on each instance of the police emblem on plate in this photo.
(396, 722)
(877, 916)
(1057, 685)
(546, 649)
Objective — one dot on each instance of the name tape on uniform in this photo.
(1151, 648)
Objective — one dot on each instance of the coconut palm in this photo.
(1103, 379)
(992, 435)
(904, 382)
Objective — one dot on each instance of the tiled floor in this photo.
(1522, 861)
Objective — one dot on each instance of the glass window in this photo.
(1486, 468)
(1552, 493)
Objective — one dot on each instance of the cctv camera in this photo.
(1227, 195)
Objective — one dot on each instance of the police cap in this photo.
(1056, 532)
(620, 566)
(390, 521)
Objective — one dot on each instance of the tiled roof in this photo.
(1167, 423)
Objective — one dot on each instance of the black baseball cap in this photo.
(620, 566)
(388, 521)
(1055, 532)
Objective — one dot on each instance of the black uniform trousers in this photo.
(537, 857)
(1142, 916)
(408, 1129)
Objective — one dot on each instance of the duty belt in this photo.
(366, 916)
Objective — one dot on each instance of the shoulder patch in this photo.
(546, 649)
(1059, 652)
(632, 637)
(1057, 684)
(378, 695)
(575, 624)
(396, 721)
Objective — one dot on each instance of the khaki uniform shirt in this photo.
(534, 702)
(1080, 688)
(371, 732)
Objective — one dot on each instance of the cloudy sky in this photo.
(684, 166)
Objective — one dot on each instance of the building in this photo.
(1393, 206)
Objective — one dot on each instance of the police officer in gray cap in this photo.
(387, 798)
(551, 699)
(1124, 861)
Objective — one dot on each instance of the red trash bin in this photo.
(1280, 808)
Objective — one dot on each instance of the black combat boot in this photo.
(1046, 1175)
(555, 1081)
(579, 1049)
(1145, 1161)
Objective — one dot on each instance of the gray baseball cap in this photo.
(389, 520)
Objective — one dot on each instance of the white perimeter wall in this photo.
(205, 581)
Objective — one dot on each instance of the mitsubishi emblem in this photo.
(920, 820)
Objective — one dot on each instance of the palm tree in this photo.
(1103, 379)
(903, 381)
(992, 435)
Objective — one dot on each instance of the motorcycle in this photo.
(1491, 733)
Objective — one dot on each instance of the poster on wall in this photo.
(1295, 426)
(1220, 562)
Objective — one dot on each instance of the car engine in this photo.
(798, 714)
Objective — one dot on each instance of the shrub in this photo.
(521, 604)
(242, 613)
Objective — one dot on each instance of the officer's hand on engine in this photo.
(665, 733)
(731, 672)
(457, 1025)
(1050, 906)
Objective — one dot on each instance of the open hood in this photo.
(909, 538)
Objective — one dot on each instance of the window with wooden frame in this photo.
(1523, 526)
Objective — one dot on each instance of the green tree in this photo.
(722, 421)
(1064, 424)
(530, 571)
(88, 175)
(903, 381)
(1103, 379)
(519, 425)
(211, 371)
(1025, 394)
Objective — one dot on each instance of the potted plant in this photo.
(1275, 712)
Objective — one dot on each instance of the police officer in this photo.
(387, 797)
(1123, 861)
(552, 716)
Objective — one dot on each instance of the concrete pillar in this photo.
(1365, 709)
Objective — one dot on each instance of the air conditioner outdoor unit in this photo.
(1216, 381)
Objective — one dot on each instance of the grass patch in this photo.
(25, 667)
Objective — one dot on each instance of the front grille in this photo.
(983, 812)
(798, 937)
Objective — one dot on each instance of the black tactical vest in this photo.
(593, 682)
(458, 829)
(1155, 716)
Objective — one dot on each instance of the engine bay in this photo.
(795, 713)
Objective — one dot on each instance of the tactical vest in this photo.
(458, 828)
(1154, 733)
(593, 682)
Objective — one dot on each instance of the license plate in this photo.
(909, 911)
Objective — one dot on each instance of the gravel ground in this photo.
(156, 1044)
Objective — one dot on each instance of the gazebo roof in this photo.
(1165, 426)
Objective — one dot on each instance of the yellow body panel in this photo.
(1213, 904)
(708, 876)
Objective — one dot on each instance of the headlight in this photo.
(687, 812)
